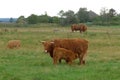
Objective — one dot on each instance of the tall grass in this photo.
(29, 62)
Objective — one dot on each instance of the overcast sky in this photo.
(16, 8)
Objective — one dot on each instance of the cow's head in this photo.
(48, 46)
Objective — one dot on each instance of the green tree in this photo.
(104, 16)
(112, 12)
(21, 20)
(11, 20)
(108, 16)
(62, 19)
(69, 17)
(44, 18)
(61, 13)
(113, 19)
(32, 19)
(92, 16)
(83, 15)
(54, 19)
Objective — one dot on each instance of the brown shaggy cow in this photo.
(48, 47)
(76, 45)
(80, 27)
(61, 53)
(13, 44)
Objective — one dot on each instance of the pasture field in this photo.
(29, 62)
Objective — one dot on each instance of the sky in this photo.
(17, 8)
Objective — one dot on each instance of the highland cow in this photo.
(81, 27)
(13, 44)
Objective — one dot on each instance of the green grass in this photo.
(30, 62)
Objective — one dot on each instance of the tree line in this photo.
(106, 17)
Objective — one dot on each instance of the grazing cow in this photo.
(13, 44)
(81, 27)
(61, 53)
(76, 45)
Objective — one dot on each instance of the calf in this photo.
(13, 44)
(61, 53)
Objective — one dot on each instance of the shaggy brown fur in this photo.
(48, 47)
(76, 45)
(79, 46)
(13, 44)
(61, 53)
(81, 27)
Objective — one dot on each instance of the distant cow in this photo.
(13, 44)
(80, 27)
(61, 53)
(76, 45)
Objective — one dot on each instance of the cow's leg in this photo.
(80, 56)
(80, 31)
(81, 59)
(60, 60)
(83, 62)
(55, 60)
(69, 61)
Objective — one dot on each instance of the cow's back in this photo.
(76, 45)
